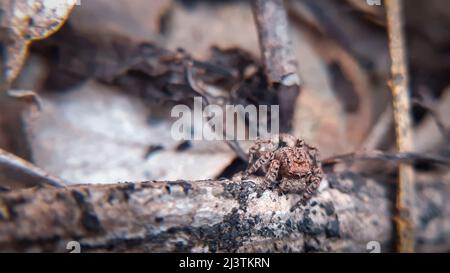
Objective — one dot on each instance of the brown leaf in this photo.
(28, 21)
(95, 133)
(138, 19)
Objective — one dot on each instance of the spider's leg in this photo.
(256, 149)
(260, 162)
(313, 152)
(272, 172)
(252, 152)
(314, 182)
(317, 172)
(314, 178)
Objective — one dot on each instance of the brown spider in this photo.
(289, 162)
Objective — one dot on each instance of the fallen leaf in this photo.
(96, 134)
(228, 25)
(29, 21)
(138, 20)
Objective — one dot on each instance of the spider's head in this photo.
(298, 168)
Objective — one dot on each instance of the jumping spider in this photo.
(289, 163)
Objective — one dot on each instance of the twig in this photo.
(5, 11)
(278, 56)
(379, 131)
(233, 144)
(406, 158)
(26, 95)
(18, 164)
(401, 106)
(3, 86)
(429, 105)
(434, 130)
(4, 189)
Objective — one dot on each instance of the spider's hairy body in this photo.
(289, 163)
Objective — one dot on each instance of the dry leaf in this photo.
(97, 134)
(228, 25)
(139, 20)
(29, 21)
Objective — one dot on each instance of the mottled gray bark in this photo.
(220, 216)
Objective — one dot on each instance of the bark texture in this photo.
(217, 216)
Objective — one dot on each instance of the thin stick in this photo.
(14, 162)
(379, 131)
(232, 144)
(278, 56)
(404, 137)
(428, 105)
(405, 158)
(5, 9)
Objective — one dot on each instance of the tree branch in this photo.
(278, 56)
(401, 106)
(35, 175)
(216, 216)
